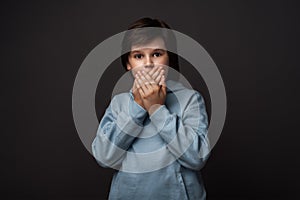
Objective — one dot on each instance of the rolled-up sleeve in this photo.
(116, 132)
(185, 136)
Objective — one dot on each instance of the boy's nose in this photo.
(149, 62)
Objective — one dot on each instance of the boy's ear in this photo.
(128, 66)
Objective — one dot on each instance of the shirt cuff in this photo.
(159, 117)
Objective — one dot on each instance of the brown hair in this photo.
(137, 35)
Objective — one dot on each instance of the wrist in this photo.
(153, 108)
(138, 101)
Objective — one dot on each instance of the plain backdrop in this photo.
(253, 43)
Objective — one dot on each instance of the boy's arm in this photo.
(186, 137)
(116, 132)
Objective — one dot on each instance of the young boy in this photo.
(156, 134)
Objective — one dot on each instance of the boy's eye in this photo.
(138, 56)
(157, 54)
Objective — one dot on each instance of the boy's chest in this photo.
(148, 140)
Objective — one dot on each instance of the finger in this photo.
(148, 78)
(142, 93)
(158, 78)
(143, 78)
(153, 70)
(134, 85)
(140, 88)
(141, 83)
(164, 89)
(134, 88)
(163, 85)
(149, 83)
(163, 81)
(139, 79)
(156, 74)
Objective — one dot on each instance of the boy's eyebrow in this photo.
(160, 49)
(138, 51)
(135, 51)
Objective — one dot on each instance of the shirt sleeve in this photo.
(116, 132)
(186, 136)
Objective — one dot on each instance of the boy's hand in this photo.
(156, 74)
(136, 94)
(153, 94)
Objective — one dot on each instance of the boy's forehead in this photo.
(157, 43)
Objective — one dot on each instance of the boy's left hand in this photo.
(153, 94)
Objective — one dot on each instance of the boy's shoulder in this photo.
(119, 100)
(181, 90)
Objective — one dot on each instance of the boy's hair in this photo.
(138, 35)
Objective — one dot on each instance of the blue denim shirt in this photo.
(158, 156)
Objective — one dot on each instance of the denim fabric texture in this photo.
(123, 125)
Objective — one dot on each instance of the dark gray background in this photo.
(254, 44)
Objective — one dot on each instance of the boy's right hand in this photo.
(136, 94)
(154, 73)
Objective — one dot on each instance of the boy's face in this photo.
(146, 56)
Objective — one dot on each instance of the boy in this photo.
(154, 134)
